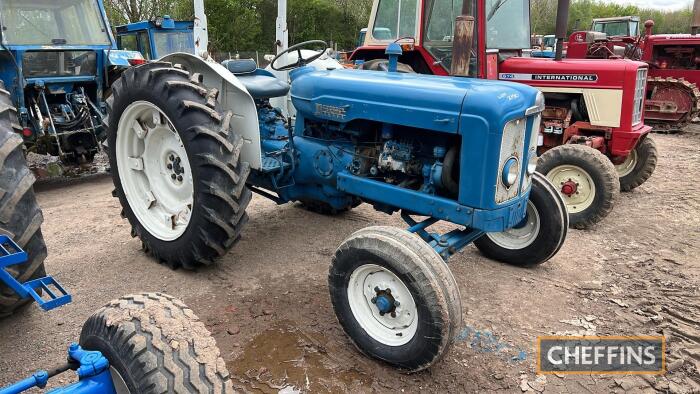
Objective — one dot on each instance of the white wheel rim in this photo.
(627, 166)
(160, 197)
(584, 190)
(520, 237)
(119, 384)
(388, 330)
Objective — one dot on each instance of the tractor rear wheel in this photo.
(395, 297)
(638, 166)
(541, 234)
(155, 344)
(20, 215)
(176, 165)
(586, 179)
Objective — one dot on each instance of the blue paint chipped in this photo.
(487, 342)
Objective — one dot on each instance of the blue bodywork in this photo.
(59, 89)
(157, 38)
(91, 367)
(383, 138)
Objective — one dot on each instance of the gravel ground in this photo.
(267, 303)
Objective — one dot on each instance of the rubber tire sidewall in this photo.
(647, 157)
(426, 346)
(551, 236)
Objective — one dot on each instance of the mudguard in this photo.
(233, 97)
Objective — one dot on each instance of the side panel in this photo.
(603, 104)
(233, 97)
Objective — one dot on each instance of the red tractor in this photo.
(593, 139)
(672, 98)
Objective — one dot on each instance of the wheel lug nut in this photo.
(173, 176)
(179, 178)
(388, 291)
(170, 166)
(376, 289)
(171, 157)
(397, 304)
(374, 300)
(393, 314)
(382, 313)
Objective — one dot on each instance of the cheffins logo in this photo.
(601, 355)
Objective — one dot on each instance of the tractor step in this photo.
(272, 165)
(54, 295)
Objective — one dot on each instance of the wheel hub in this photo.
(382, 305)
(569, 188)
(385, 302)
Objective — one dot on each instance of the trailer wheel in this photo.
(638, 166)
(176, 165)
(156, 344)
(20, 215)
(539, 237)
(586, 179)
(395, 297)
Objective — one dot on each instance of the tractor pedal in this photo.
(272, 165)
(51, 289)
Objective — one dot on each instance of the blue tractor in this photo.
(157, 37)
(58, 62)
(191, 140)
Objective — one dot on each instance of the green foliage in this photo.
(582, 13)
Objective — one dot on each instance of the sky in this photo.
(670, 5)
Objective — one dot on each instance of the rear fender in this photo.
(233, 97)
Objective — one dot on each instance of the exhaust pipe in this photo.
(695, 25)
(563, 26)
(462, 41)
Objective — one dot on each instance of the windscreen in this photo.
(612, 28)
(52, 22)
(395, 19)
(507, 24)
(172, 42)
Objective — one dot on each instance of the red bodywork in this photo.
(668, 56)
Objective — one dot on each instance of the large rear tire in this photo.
(156, 344)
(20, 215)
(176, 165)
(539, 237)
(638, 166)
(395, 297)
(586, 179)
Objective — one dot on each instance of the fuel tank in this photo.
(414, 100)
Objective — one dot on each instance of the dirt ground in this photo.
(267, 302)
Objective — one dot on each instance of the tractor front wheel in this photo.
(638, 165)
(176, 165)
(586, 179)
(155, 344)
(395, 297)
(538, 237)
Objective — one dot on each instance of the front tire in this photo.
(176, 165)
(638, 166)
(156, 344)
(539, 237)
(586, 179)
(395, 297)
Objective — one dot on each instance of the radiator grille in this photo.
(639, 92)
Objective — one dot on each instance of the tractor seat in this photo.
(261, 84)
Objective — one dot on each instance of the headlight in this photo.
(510, 172)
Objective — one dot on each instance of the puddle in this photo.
(285, 360)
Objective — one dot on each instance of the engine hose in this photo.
(449, 169)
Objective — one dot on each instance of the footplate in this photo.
(53, 294)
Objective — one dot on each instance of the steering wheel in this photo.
(301, 61)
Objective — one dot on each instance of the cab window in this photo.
(395, 19)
